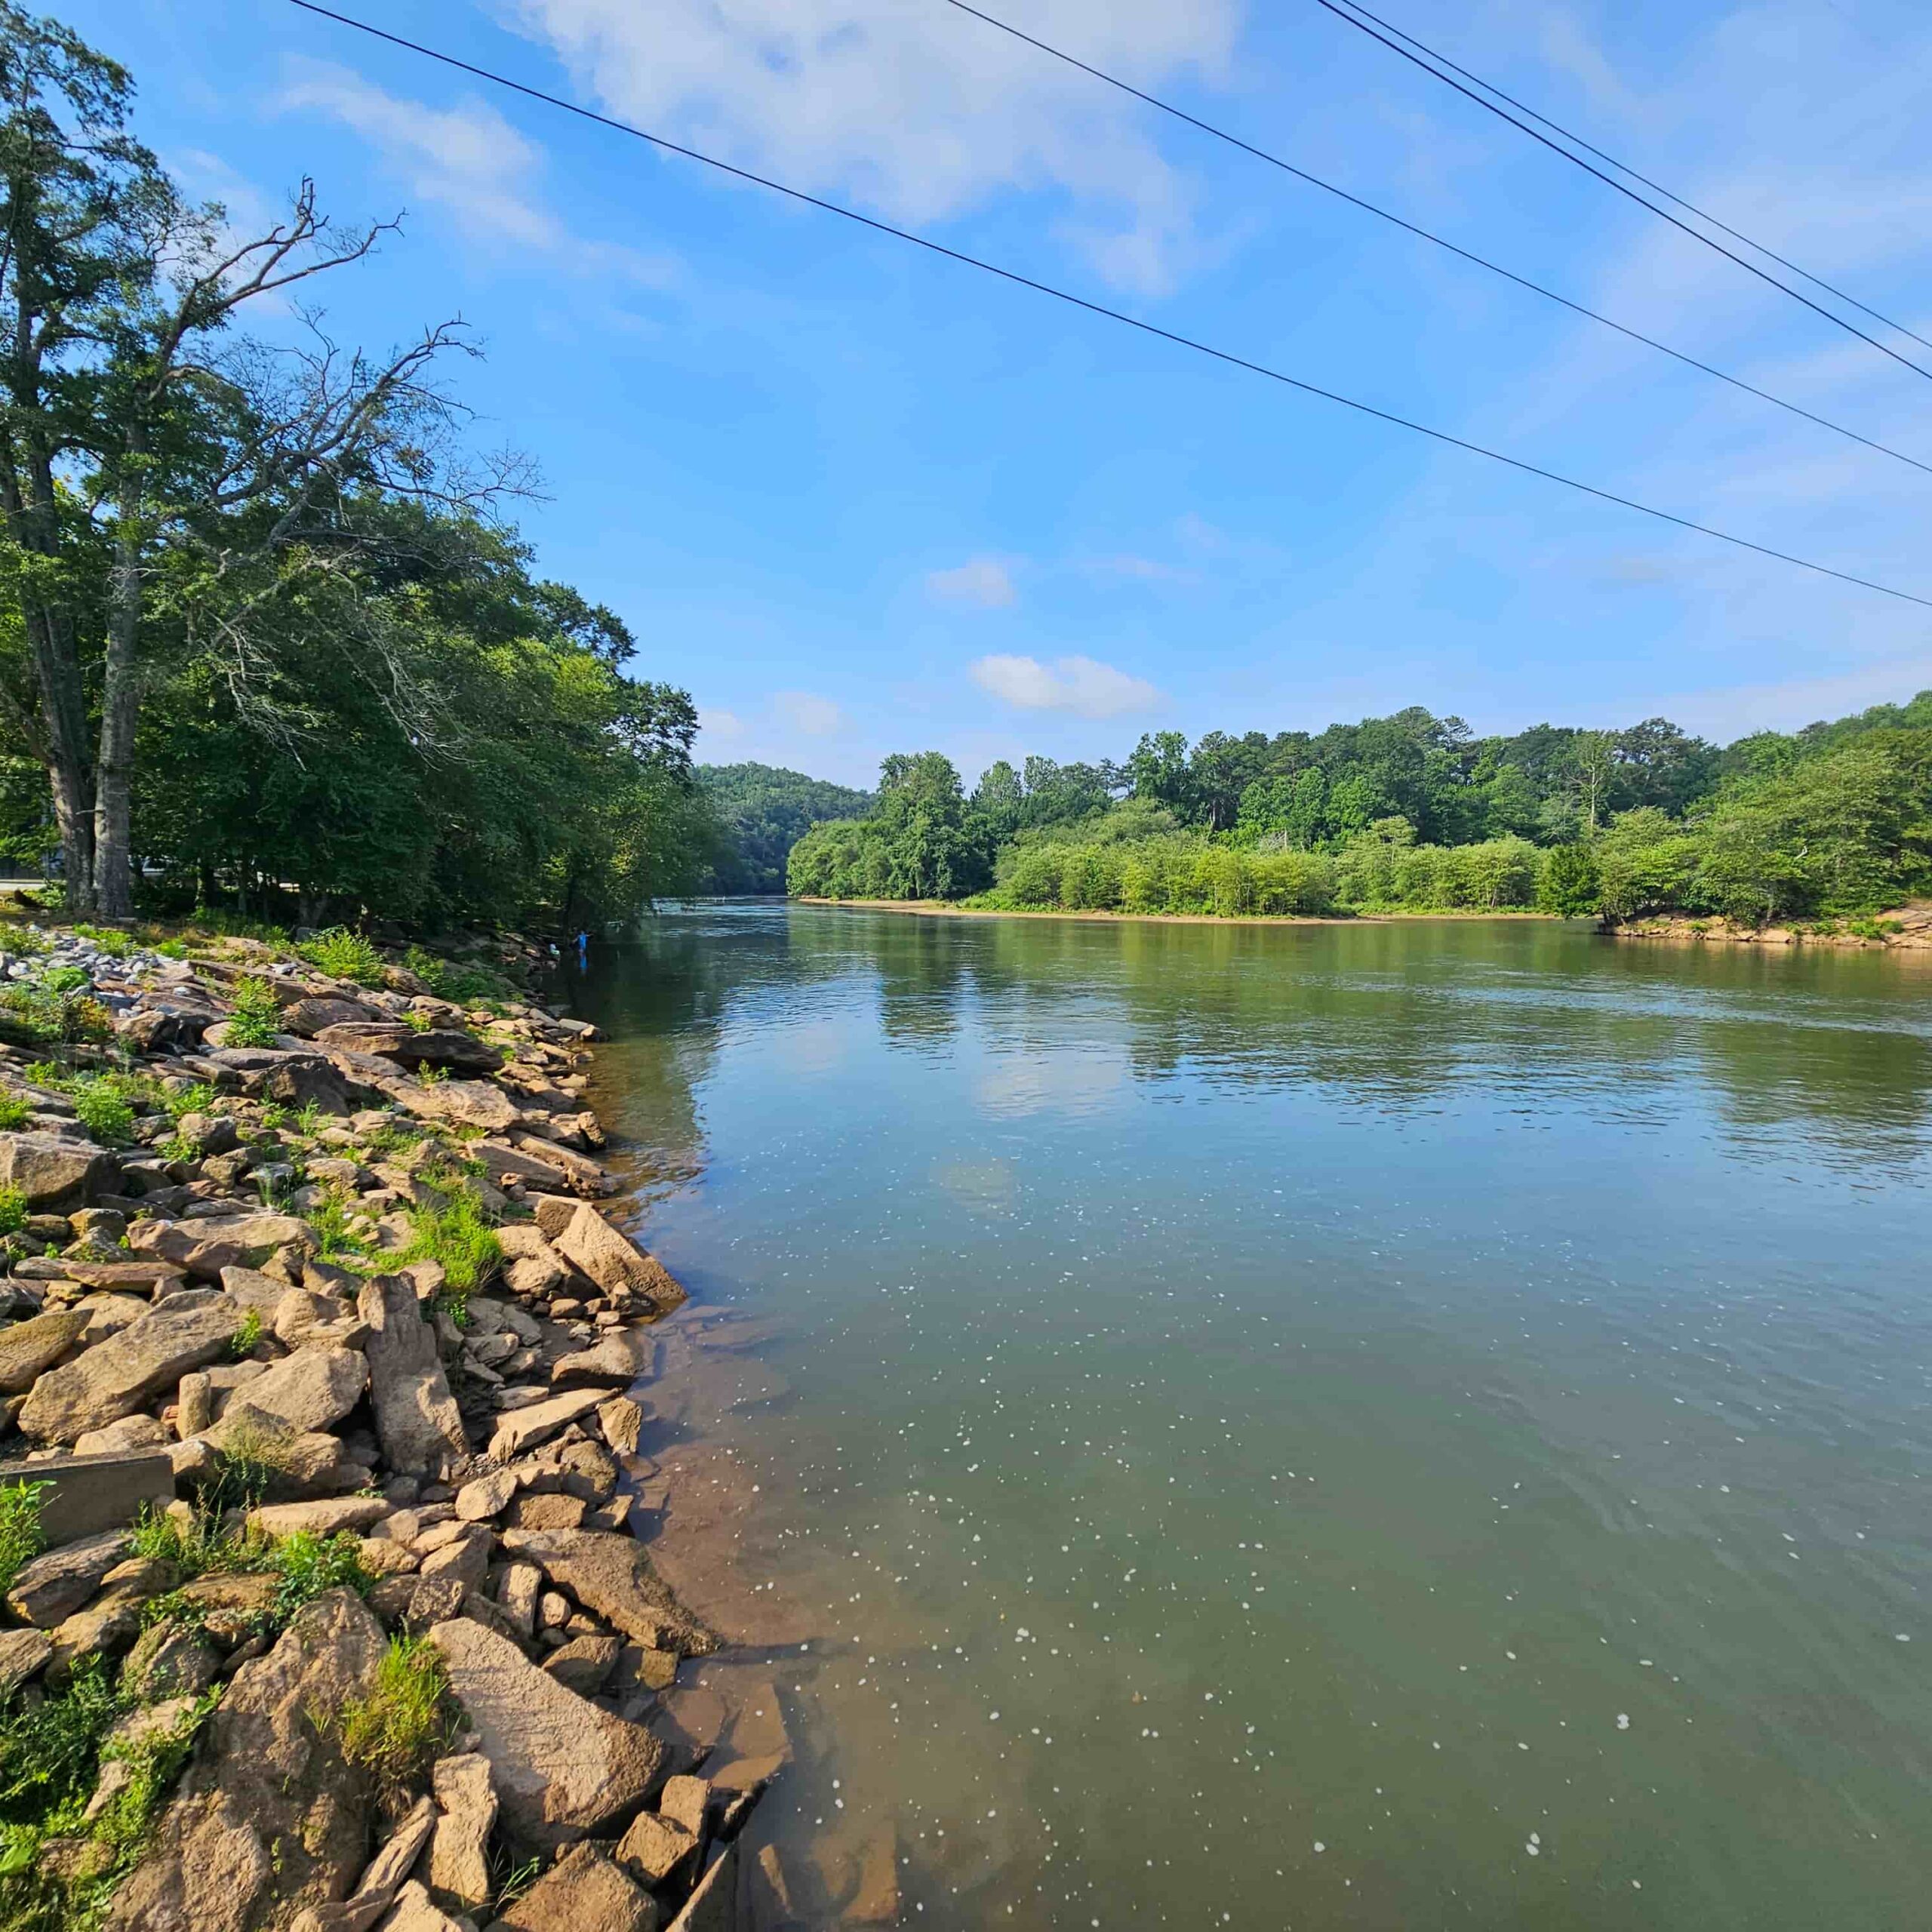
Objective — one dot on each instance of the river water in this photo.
(1383, 1425)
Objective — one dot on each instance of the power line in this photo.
(1609, 180)
(1097, 309)
(1657, 187)
(1384, 214)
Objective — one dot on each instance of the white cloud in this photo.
(916, 110)
(726, 725)
(1081, 685)
(984, 580)
(467, 161)
(805, 711)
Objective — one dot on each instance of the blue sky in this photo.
(857, 499)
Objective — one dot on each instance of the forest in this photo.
(1414, 812)
(761, 811)
(269, 643)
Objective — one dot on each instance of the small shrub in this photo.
(104, 1110)
(114, 945)
(196, 1098)
(198, 1548)
(308, 1564)
(154, 1761)
(22, 1538)
(310, 1116)
(418, 1022)
(392, 1733)
(48, 1750)
(343, 955)
(66, 980)
(12, 1210)
(13, 1112)
(22, 942)
(257, 1019)
(172, 949)
(250, 1462)
(247, 1338)
(432, 1076)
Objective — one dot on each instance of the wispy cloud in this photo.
(1081, 686)
(986, 581)
(469, 162)
(808, 712)
(920, 113)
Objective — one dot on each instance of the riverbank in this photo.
(1907, 928)
(323, 1445)
(946, 908)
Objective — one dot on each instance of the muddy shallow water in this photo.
(1404, 1425)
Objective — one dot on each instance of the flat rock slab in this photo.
(615, 1362)
(203, 1248)
(562, 1767)
(327, 1516)
(613, 1577)
(522, 1429)
(121, 1374)
(437, 1046)
(91, 1493)
(269, 1819)
(58, 1176)
(312, 1390)
(465, 1103)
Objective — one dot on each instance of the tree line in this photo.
(1415, 812)
(268, 640)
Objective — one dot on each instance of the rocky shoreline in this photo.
(1905, 929)
(322, 1428)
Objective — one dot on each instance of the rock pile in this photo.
(346, 1293)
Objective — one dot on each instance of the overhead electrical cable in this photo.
(1341, 13)
(1454, 248)
(1656, 187)
(1013, 275)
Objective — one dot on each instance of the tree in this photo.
(1157, 771)
(142, 460)
(1567, 885)
(1591, 771)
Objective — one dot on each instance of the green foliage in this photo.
(307, 1565)
(394, 1732)
(458, 1235)
(762, 812)
(1569, 885)
(12, 1210)
(197, 1547)
(918, 844)
(49, 1750)
(418, 1022)
(102, 1106)
(65, 980)
(22, 1539)
(343, 955)
(248, 1337)
(256, 1018)
(462, 984)
(116, 945)
(13, 1112)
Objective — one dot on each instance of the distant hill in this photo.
(764, 810)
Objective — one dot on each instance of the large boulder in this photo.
(612, 1576)
(519, 1429)
(295, 1078)
(269, 1819)
(308, 1017)
(58, 1176)
(203, 1248)
(440, 1046)
(583, 1889)
(125, 1372)
(562, 1767)
(594, 1247)
(462, 1103)
(312, 1389)
(28, 1349)
(614, 1362)
(416, 1418)
(49, 1589)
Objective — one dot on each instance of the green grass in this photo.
(179, 1102)
(393, 1732)
(457, 1235)
(22, 1539)
(308, 1564)
(463, 986)
(13, 1112)
(256, 1018)
(198, 1548)
(343, 955)
(12, 1210)
(115, 945)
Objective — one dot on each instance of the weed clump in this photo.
(343, 955)
(257, 1019)
(394, 1731)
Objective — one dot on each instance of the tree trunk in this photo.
(120, 700)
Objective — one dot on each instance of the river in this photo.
(1354, 1426)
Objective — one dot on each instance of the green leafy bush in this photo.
(343, 955)
(459, 1236)
(12, 1210)
(65, 980)
(102, 1109)
(308, 1564)
(22, 1539)
(256, 1018)
(247, 1337)
(13, 1112)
